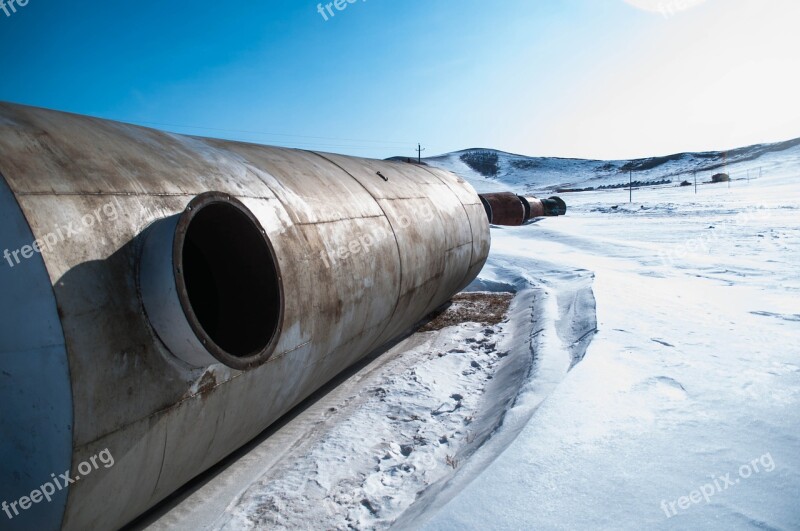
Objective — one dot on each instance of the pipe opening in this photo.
(554, 206)
(228, 279)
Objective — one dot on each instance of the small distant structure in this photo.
(686, 183)
(721, 178)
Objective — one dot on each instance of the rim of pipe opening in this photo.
(249, 253)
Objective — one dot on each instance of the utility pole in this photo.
(630, 186)
(695, 183)
(419, 153)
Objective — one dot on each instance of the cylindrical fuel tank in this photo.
(166, 298)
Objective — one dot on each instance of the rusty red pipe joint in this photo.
(513, 210)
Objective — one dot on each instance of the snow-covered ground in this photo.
(682, 413)
(685, 412)
(403, 423)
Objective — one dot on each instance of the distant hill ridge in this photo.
(493, 169)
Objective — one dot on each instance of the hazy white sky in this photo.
(722, 73)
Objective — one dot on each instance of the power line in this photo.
(329, 146)
(264, 133)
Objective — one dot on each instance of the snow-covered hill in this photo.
(491, 170)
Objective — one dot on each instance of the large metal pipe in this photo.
(166, 298)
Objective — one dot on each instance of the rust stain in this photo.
(207, 384)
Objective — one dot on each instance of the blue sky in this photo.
(584, 78)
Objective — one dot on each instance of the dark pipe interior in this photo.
(231, 280)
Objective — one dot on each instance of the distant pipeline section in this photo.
(513, 210)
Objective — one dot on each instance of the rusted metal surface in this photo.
(362, 249)
(504, 208)
(533, 207)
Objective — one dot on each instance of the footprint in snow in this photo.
(661, 342)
